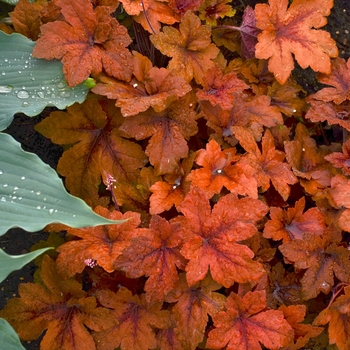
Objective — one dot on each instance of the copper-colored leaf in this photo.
(136, 321)
(213, 238)
(193, 304)
(219, 169)
(341, 160)
(26, 18)
(293, 31)
(190, 48)
(93, 128)
(102, 244)
(88, 41)
(291, 224)
(337, 318)
(168, 131)
(269, 163)
(244, 325)
(60, 307)
(156, 254)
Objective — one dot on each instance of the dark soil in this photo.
(18, 241)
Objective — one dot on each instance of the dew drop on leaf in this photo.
(22, 94)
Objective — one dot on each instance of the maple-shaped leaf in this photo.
(101, 244)
(26, 18)
(269, 163)
(154, 13)
(219, 170)
(245, 325)
(151, 87)
(291, 224)
(338, 198)
(321, 111)
(295, 314)
(156, 254)
(322, 258)
(341, 159)
(88, 41)
(136, 321)
(307, 161)
(337, 318)
(168, 132)
(220, 88)
(171, 192)
(213, 237)
(193, 305)
(339, 79)
(293, 30)
(93, 128)
(211, 10)
(60, 307)
(189, 46)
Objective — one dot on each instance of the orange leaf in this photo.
(157, 12)
(337, 316)
(213, 237)
(321, 258)
(61, 307)
(168, 131)
(193, 304)
(102, 244)
(155, 253)
(290, 31)
(190, 48)
(88, 41)
(153, 87)
(295, 314)
(220, 88)
(26, 18)
(341, 160)
(339, 78)
(136, 321)
(291, 224)
(244, 325)
(211, 10)
(269, 164)
(220, 169)
(99, 148)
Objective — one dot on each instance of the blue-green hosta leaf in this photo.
(28, 84)
(9, 263)
(8, 337)
(32, 195)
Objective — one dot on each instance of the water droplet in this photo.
(40, 94)
(61, 85)
(19, 198)
(6, 89)
(3, 199)
(74, 216)
(1, 172)
(15, 188)
(5, 185)
(64, 94)
(38, 207)
(45, 199)
(6, 60)
(135, 85)
(3, 73)
(51, 211)
(38, 193)
(22, 94)
(19, 72)
(23, 178)
(25, 104)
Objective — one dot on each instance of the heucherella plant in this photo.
(205, 194)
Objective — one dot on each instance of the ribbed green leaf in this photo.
(9, 263)
(28, 84)
(8, 337)
(32, 195)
